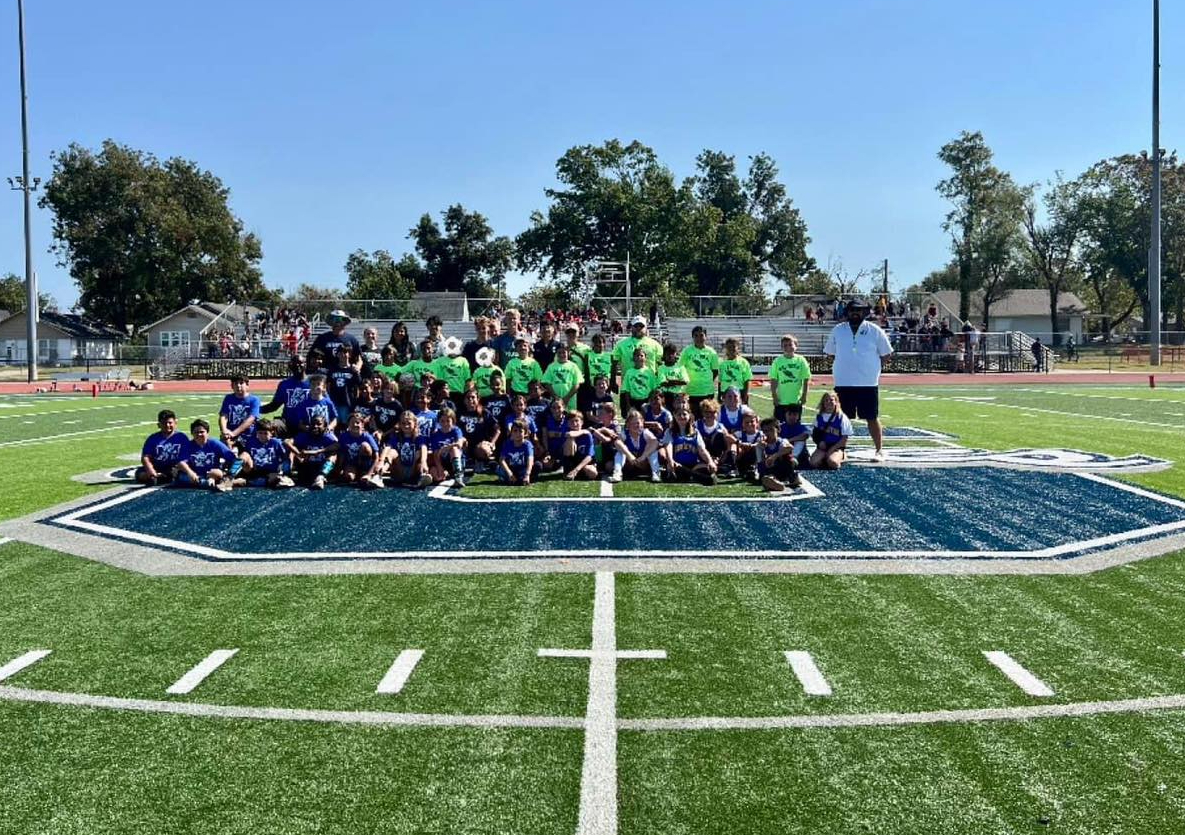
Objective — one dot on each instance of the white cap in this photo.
(637, 320)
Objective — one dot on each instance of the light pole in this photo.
(1154, 249)
(28, 186)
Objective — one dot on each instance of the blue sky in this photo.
(336, 125)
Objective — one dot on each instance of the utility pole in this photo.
(28, 186)
(885, 282)
(1154, 250)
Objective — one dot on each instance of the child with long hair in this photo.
(831, 432)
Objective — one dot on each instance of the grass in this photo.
(885, 643)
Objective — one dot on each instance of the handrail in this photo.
(214, 321)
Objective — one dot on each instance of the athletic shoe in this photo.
(878, 457)
(713, 480)
(425, 480)
(795, 481)
(615, 477)
(285, 482)
(224, 486)
(655, 477)
(319, 483)
(772, 484)
(729, 473)
(459, 481)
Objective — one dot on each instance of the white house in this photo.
(62, 339)
(183, 328)
(1026, 311)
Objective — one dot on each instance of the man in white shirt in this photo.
(861, 350)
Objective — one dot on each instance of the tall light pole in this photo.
(1154, 249)
(28, 186)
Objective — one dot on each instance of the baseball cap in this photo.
(338, 317)
(637, 320)
(572, 328)
(858, 304)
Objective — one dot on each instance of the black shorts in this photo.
(859, 401)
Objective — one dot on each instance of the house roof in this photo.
(1027, 302)
(77, 326)
(209, 310)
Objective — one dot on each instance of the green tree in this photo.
(141, 237)
(13, 297)
(1052, 247)
(464, 256)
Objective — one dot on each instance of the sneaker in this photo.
(224, 486)
(878, 457)
(772, 484)
(425, 481)
(319, 483)
(459, 481)
(713, 480)
(656, 477)
(729, 473)
(615, 477)
(795, 481)
(285, 482)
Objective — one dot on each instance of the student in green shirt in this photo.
(388, 367)
(418, 367)
(598, 363)
(623, 351)
(789, 377)
(637, 383)
(734, 370)
(672, 376)
(702, 364)
(484, 372)
(563, 377)
(453, 369)
(522, 369)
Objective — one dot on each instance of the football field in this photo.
(983, 635)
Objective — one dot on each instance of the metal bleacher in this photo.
(760, 336)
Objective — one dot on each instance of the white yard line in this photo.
(1019, 676)
(606, 490)
(1077, 415)
(808, 674)
(198, 674)
(126, 404)
(400, 671)
(4, 540)
(27, 660)
(49, 439)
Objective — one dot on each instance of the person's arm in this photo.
(773, 381)
(704, 455)
(530, 467)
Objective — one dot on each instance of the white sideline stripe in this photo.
(808, 491)
(125, 403)
(606, 490)
(1021, 677)
(397, 676)
(812, 681)
(5, 539)
(198, 674)
(53, 438)
(598, 775)
(27, 660)
(621, 654)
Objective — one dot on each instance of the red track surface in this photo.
(1056, 378)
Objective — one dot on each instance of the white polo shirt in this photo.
(857, 355)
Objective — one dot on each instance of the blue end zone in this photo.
(900, 433)
(972, 512)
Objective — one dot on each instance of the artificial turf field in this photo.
(889, 646)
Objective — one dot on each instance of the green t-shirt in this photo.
(599, 365)
(676, 375)
(520, 373)
(701, 365)
(791, 374)
(623, 352)
(579, 354)
(453, 369)
(481, 379)
(563, 377)
(392, 372)
(417, 368)
(638, 383)
(735, 373)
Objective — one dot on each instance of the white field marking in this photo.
(1131, 488)
(49, 439)
(812, 681)
(598, 776)
(400, 671)
(807, 491)
(1148, 401)
(73, 520)
(27, 660)
(4, 540)
(198, 674)
(1021, 677)
(70, 422)
(30, 422)
(1079, 415)
(606, 490)
(122, 405)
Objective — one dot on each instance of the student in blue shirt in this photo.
(425, 417)
(287, 397)
(162, 451)
(265, 459)
(317, 404)
(775, 459)
(656, 417)
(579, 451)
(446, 449)
(797, 433)
(239, 411)
(313, 453)
(687, 457)
(480, 430)
(406, 454)
(517, 462)
(358, 455)
(552, 432)
(206, 462)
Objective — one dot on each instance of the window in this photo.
(173, 339)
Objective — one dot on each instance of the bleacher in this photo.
(760, 336)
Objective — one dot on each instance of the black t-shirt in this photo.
(342, 384)
(544, 353)
(470, 350)
(328, 343)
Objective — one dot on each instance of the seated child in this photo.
(797, 433)
(497, 405)
(687, 457)
(552, 433)
(579, 449)
(518, 411)
(313, 453)
(446, 449)
(746, 442)
(656, 416)
(265, 459)
(600, 394)
(238, 413)
(537, 403)
(716, 438)
(517, 462)
(606, 433)
(387, 410)
(206, 462)
(480, 430)
(406, 454)
(775, 459)
(636, 451)
(162, 451)
(831, 433)
(358, 455)
(732, 410)
(441, 396)
(425, 416)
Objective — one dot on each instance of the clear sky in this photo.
(336, 125)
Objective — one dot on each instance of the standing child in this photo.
(672, 376)
(735, 371)
(687, 457)
(388, 366)
(485, 371)
(239, 411)
(358, 458)
(789, 377)
(313, 453)
(343, 381)
(288, 395)
(406, 454)
(637, 383)
(522, 369)
(446, 449)
(162, 451)
(317, 404)
(265, 459)
(579, 449)
(563, 377)
(600, 364)
(206, 462)
(831, 433)
(703, 367)
(637, 451)
(517, 463)
(423, 364)
(775, 459)
(600, 395)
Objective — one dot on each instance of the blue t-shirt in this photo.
(663, 418)
(765, 450)
(516, 456)
(477, 427)
(510, 417)
(165, 450)
(204, 458)
(497, 405)
(408, 449)
(309, 408)
(354, 447)
(795, 431)
(305, 441)
(538, 408)
(584, 444)
(267, 457)
(425, 422)
(290, 392)
(439, 438)
(555, 433)
(238, 409)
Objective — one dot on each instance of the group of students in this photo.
(377, 423)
